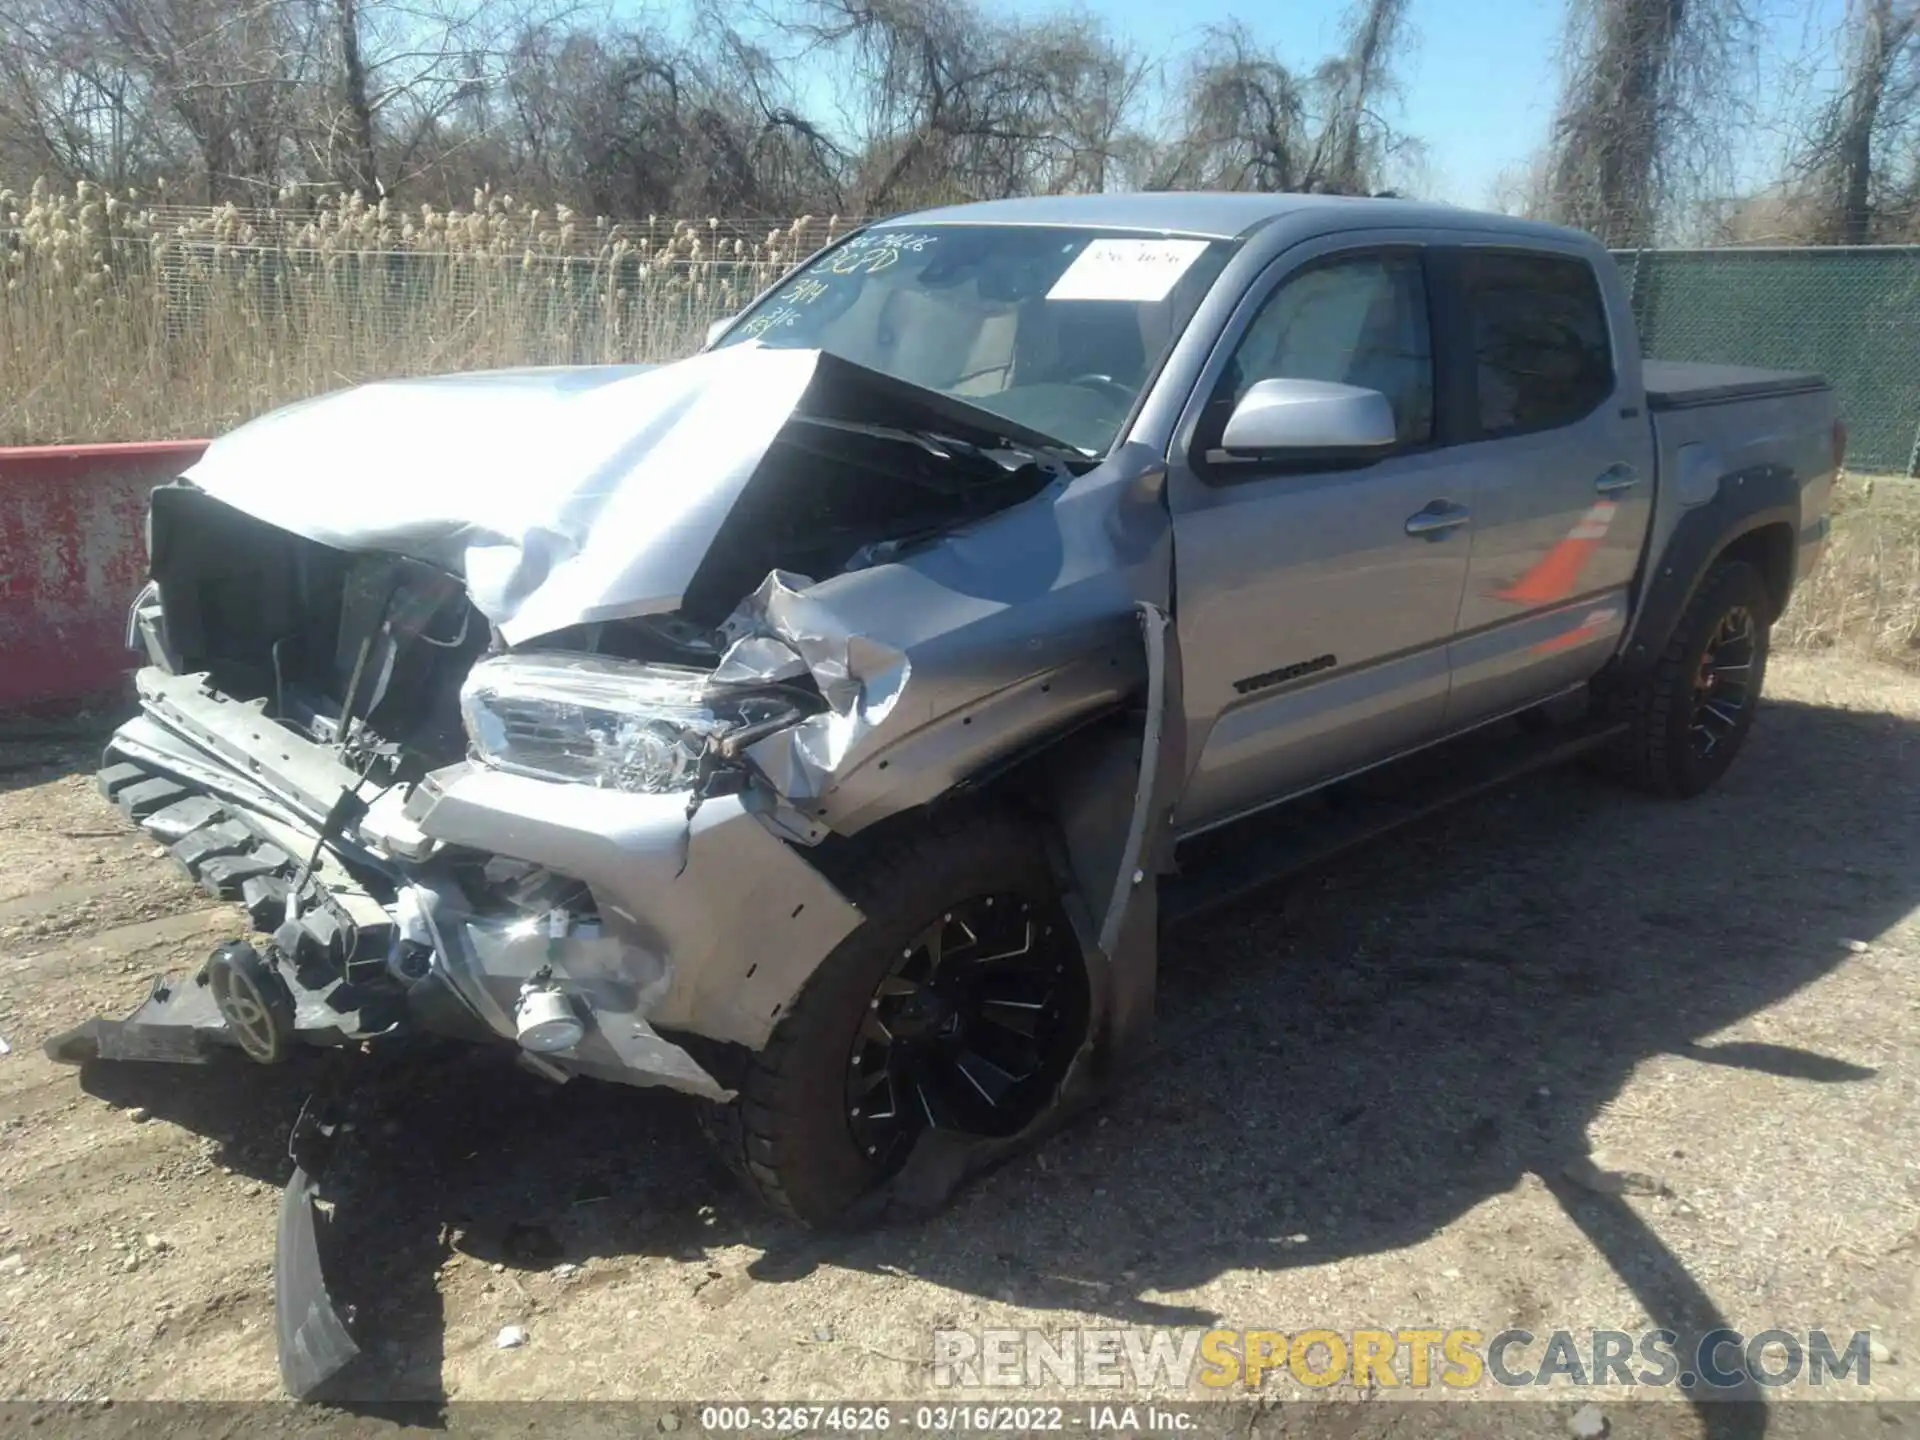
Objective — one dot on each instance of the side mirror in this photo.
(718, 328)
(1278, 416)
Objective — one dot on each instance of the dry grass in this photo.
(127, 321)
(1865, 596)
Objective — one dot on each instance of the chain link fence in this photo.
(1850, 313)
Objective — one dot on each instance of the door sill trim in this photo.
(1180, 837)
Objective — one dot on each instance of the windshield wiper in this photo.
(1009, 455)
(941, 447)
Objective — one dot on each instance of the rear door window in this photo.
(1541, 354)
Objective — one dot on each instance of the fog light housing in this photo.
(546, 1021)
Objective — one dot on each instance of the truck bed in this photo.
(1681, 384)
(1712, 423)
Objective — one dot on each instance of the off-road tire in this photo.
(1657, 755)
(786, 1135)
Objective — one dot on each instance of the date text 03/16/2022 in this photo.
(944, 1418)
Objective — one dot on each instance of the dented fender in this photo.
(942, 663)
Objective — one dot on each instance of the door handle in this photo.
(1616, 479)
(1437, 519)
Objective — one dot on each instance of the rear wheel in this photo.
(1693, 714)
(957, 1005)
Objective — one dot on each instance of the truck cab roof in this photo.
(1224, 215)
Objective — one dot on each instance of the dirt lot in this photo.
(1371, 1083)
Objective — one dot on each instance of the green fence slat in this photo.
(1850, 313)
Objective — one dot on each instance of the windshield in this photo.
(1055, 328)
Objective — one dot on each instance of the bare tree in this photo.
(1650, 98)
(219, 76)
(628, 123)
(934, 100)
(235, 99)
(1522, 188)
(1243, 121)
(72, 110)
(1356, 81)
(1848, 162)
(1248, 121)
(405, 71)
(361, 169)
(943, 101)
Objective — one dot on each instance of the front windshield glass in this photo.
(1055, 328)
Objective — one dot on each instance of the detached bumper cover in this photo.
(178, 1024)
(311, 1338)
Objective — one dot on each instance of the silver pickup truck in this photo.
(828, 724)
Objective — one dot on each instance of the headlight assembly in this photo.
(618, 724)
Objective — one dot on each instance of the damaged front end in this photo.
(579, 746)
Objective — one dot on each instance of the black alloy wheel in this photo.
(956, 1007)
(1723, 686)
(971, 1029)
(1689, 718)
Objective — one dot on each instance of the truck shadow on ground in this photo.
(1357, 1057)
(35, 748)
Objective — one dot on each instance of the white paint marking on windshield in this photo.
(1142, 271)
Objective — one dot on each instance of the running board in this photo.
(1237, 860)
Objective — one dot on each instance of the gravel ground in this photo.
(1372, 1083)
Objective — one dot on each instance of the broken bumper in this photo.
(710, 921)
(703, 918)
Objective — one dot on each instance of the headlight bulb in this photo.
(653, 756)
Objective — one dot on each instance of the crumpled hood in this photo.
(562, 496)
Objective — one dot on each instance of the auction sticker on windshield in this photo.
(1142, 271)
